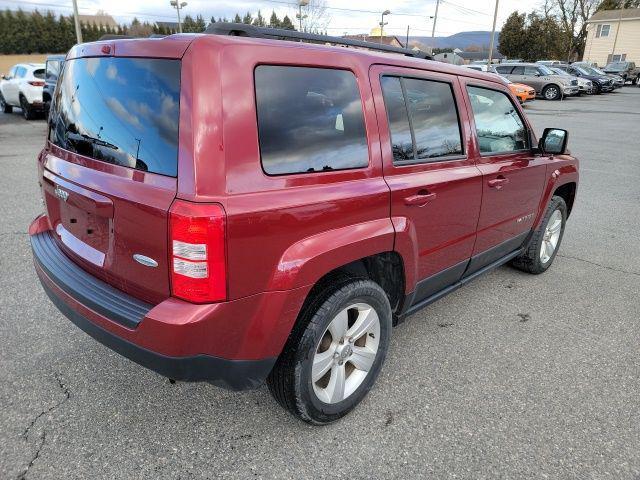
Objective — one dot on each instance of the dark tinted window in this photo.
(518, 70)
(498, 125)
(39, 73)
(309, 120)
(120, 110)
(434, 118)
(401, 141)
(504, 69)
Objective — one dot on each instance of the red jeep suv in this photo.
(234, 207)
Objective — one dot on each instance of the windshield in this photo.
(506, 80)
(597, 71)
(558, 71)
(583, 70)
(123, 111)
(545, 70)
(616, 66)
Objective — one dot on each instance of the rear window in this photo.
(39, 73)
(309, 120)
(123, 111)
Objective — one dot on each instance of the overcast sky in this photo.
(453, 17)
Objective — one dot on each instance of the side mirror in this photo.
(554, 141)
(537, 74)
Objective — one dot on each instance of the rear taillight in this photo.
(197, 245)
(36, 83)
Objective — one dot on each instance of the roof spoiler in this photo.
(245, 30)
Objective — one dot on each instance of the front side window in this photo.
(498, 125)
(124, 111)
(309, 120)
(423, 119)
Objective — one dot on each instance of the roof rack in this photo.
(245, 30)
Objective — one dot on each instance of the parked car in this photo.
(627, 70)
(547, 84)
(22, 88)
(524, 93)
(481, 67)
(53, 66)
(602, 83)
(551, 63)
(618, 81)
(585, 86)
(211, 238)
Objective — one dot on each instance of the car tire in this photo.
(6, 108)
(27, 112)
(546, 240)
(331, 361)
(551, 92)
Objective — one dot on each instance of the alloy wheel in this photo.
(551, 93)
(346, 352)
(551, 236)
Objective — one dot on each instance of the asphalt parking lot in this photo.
(512, 376)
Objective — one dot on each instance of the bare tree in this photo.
(316, 17)
(573, 16)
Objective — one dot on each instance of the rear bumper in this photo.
(174, 338)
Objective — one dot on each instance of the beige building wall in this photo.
(598, 49)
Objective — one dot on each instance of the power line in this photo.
(465, 9)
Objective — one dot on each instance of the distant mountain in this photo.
(460, 40)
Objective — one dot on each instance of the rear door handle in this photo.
(420, 199)
(498, 183)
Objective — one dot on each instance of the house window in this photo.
(603, 30)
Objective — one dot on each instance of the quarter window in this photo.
(498, 124)
(424, 113)
(309, 120)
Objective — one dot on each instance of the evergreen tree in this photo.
(237, 19)
(287, 24)
(200, 25)
(247, 18)
(259, 20)
(513, 36)
(274, 21)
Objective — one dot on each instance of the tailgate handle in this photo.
(79, 197)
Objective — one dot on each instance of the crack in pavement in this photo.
(23, 474)
(629, 272)
(25, 434)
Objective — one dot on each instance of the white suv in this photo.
(22, 87)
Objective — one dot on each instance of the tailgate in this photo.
(109, 172)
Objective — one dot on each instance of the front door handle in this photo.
(498, 183)
(420, 199)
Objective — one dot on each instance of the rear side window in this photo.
(123, 111)
(424, 113)
(498, 124)
(401, 136)
(39, 73)
(504, 69)
(309, 120)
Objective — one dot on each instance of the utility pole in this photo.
(406, 43)
(615, 39)
(493, 34)
(435, 19)
(76, 21)
(178, 5)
